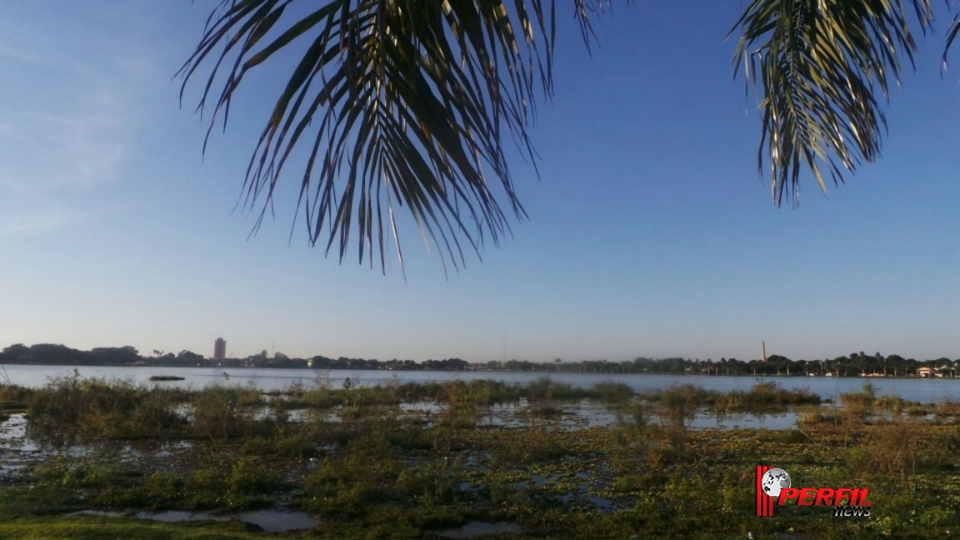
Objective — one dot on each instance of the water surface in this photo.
(922, 390)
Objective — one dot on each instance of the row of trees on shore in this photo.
(852, 365)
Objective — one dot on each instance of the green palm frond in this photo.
(400, 102)
(819, 63)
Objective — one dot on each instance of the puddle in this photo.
(502, 416)
(278, 521)
(583, 495)
(476, 529)
(775, 421)
(421, 407)
(587, 414)
(18, 450)
(13, 434)
(174, 516)
(7, 469)
(568, 416)
(294, 416)
(170, 449)
(268, 520)
(97, 513)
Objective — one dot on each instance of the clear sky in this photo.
(650, 231)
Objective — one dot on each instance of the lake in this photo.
(922, 390)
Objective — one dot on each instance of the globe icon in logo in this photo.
(774, 480)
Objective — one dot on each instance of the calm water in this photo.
(922, 390)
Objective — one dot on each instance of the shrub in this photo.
(613, 392)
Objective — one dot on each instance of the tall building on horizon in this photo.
(219, 349)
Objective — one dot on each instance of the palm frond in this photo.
(952, 33)
(820, 64)
(400, 103)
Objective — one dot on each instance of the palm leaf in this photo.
(820, 64)
(952, 33)
(400, 102)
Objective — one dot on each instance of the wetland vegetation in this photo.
(92, 458)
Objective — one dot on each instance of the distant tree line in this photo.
(852, 365)
(49, 354)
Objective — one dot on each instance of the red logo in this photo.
(766, 490)
(773, 482)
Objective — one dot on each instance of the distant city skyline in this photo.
(155, 353)
(650, 232)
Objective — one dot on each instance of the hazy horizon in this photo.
(650, 232)
(271, 354)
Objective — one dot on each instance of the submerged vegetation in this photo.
(406, 460)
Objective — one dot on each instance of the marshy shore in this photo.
(94, 458)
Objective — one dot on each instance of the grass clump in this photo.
(613, 392)
(678, 404)
(545, 388)
(894, 404)
(97, 408)
(859, 404)
(13, 399)
(763, 397)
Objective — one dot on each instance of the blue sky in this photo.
(650, 231)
